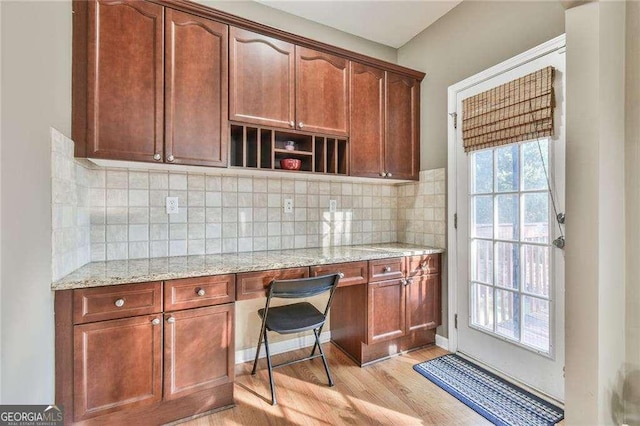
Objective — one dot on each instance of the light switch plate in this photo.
(172, 205)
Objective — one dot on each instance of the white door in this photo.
(509, 278)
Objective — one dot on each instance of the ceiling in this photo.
(388, 22)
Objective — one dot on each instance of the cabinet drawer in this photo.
(199, 292)
(354, 272)
(421, 265)
(250, 285)
(386, 269)
(118, 301)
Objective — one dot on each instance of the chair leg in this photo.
(270, 368)
(324, 359)
(315, 345)
(255, 361)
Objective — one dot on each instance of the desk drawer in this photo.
(354, 272)
(250, 285)
(199, 292)
(386, 269)
(117, 301)
(423, 265)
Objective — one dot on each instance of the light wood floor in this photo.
(389, 392)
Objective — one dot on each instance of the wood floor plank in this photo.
(384, 393)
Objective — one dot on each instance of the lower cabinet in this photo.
(423, 302)
(386, 310)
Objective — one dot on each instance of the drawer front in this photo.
(386, 269)
(199, 292)
(354, 272)
(422, 265)
(250, 285)
(117, 301)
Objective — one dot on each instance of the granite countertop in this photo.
(96, 274)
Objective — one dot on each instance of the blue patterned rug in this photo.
(492, 397)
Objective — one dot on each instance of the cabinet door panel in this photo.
(198, 350)
(196, 90)
(423, 302)
(366, 137)
(262, 79)
(386, 311)
(125, 80)
(322, 92)
(117, 365)
(402, 142)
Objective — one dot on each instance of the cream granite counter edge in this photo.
(97, 274)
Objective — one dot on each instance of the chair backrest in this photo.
(303, 287)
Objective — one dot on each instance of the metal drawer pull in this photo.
(403, 281)
(386, 269)
(341, 275)
(155, 321)
(119, 303)
(171, 320)
(200, 292)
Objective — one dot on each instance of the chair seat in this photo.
(293, 318)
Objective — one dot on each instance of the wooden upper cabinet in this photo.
(322, 92)
(402, 140)
(125, 80)
(262, 79)
(196, 130)
(367, 121)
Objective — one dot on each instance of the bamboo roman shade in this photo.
(516, 111)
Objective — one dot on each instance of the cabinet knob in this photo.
(341, 275)
(403, 281)
(389, 174)
(170, 158)
(292, 123)
(301, 124)
(200, 292)
(119, 303)
(157, 157)
(155, 321)
(382, 174)
(409, 281)
(386, 269)
(171, 320)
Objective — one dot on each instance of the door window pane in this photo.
(482, 269)
(533, 172)
(508, 314)
(507, 168)
(482, 163)
(482, 222)
(535, 221)
(508, 217)
(507, 265)
(536, 269)
(535, 330)
(481, 297)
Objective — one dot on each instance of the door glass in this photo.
(510, 243)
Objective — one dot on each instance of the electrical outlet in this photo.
(333, 206)
(172, 205)
(288, 205)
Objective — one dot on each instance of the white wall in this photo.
(36, 94)
(470, 38)
(595, 251)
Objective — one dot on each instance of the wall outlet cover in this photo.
(172, 205)
(288, 205)
(333, 206)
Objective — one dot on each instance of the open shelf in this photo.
(263, 148)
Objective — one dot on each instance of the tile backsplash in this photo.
(118, 213)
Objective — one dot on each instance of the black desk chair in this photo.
(294, 318)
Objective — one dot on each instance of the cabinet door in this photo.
(402, 141)
(198, 350)
(423, 302)
(261, 79)
(117, 365)
(322, 92)
(386, 311)
(196, 130)
(366, 139)
(125, 80)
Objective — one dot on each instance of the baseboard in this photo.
(245, 355)
(441, 342)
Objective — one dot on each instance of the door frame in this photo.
(543, 49)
